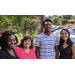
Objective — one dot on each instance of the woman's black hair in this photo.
(26, 38)
(4, 39)
(47, 20)
(68, 40)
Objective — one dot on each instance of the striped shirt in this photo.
(47, 45)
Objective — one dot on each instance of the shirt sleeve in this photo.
(17, 51)
(57, 42)
(34, 54)
(2, 55)
(37, 42)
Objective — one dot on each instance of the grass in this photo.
(59, 25)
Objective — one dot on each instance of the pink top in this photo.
(23, 55)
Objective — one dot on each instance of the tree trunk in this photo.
(42, 19)
(23, 33)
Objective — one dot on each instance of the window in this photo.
(71, 22)
(68, 22)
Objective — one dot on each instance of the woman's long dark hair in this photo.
(68, 40)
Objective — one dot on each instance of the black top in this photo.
(4, 54)
(65, 53)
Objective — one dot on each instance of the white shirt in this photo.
(47, 45)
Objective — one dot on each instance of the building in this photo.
(71, 22)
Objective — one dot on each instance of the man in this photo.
(47, 43)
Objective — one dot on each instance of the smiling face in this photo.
(48, 26)
(27, 43)
(11, 41)
(64, 35)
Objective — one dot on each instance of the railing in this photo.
(2, 29)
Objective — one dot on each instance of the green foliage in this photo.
(54, 15)
(20, 23)
(4, 21)
(67, 17)
(55, 20)
(64, 18)
(64, 21)
(29, 26)
(74, 17)
(13, 31)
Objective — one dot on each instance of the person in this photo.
(47, 43)
(7, 43)
(25, 50)
(66, 46)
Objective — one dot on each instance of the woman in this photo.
(25, 50)
(66, 47)
(7, 43)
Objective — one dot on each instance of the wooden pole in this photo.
(42, 19)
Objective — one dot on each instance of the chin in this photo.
(12, 48)
(47, 31)
(65, 39)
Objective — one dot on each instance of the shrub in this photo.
(13, 31)
(0, 33)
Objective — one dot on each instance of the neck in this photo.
(47, 33)
(65, 42)
(9, 49)
(26, 50)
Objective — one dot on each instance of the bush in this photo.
(0, 33)
(13, 31)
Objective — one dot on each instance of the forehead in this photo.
(48, 22)
(27, 39)
(63, 31)
(11, 37)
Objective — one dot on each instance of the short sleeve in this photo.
(37, 42)
(71, 44)
(57, 42)
(17, 50)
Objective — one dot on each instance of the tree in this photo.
(48, 17)
(20, 22)
(30, 26)
(64, 21)
(54, 15)
(64, 18)
(74, 17)
(67, 17)
(59, 16)
(4, 21)
(55, 20)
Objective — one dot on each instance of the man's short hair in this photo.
(46, 21)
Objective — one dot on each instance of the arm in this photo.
(18, 52)
(73, 50)
(2, 56)
(37, 52)
(57, 52)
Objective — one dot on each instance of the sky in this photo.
(51, 15)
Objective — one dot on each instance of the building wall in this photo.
(70, 23)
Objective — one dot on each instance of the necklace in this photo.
(27, 53)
